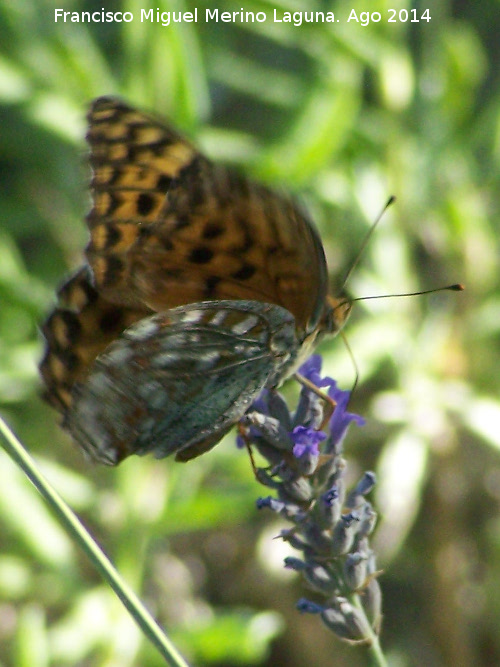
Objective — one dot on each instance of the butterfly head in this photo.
(337, 311)
(335, 314)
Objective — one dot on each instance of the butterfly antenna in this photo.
(457, 287)
(368, 235)
(354, 363)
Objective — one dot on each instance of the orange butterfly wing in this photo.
(168, 227)
(81, 326)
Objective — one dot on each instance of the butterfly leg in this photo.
(242, 432)
(330, 404)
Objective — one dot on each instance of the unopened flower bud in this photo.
(329, 507)
(270, 429)
(320, 578)
(371, 599)
(368, 521)
(308, 607)
(298, 489)
(279, 409)
(346, 621)
(365, 485)
(292, 563)
(355, 570)
(344, 533)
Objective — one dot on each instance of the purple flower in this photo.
(306, 441)
(340, 419)
(329, 530)
(311, 370)
(306, 448)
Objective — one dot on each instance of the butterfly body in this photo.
(201, 289)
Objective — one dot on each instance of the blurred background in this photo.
(343, 115)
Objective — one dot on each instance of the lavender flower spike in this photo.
(305, 470)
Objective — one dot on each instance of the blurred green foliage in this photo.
(342, 115)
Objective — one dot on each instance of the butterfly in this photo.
(200, 288)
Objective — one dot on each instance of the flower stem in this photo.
(82, 537)
(377, 658)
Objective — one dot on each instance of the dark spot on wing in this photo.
(201, 255)
(145, 203)
(245, 272)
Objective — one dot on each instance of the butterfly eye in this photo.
(339, 310)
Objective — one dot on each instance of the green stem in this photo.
(377, 657)
(376, 654)
(81, 536)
